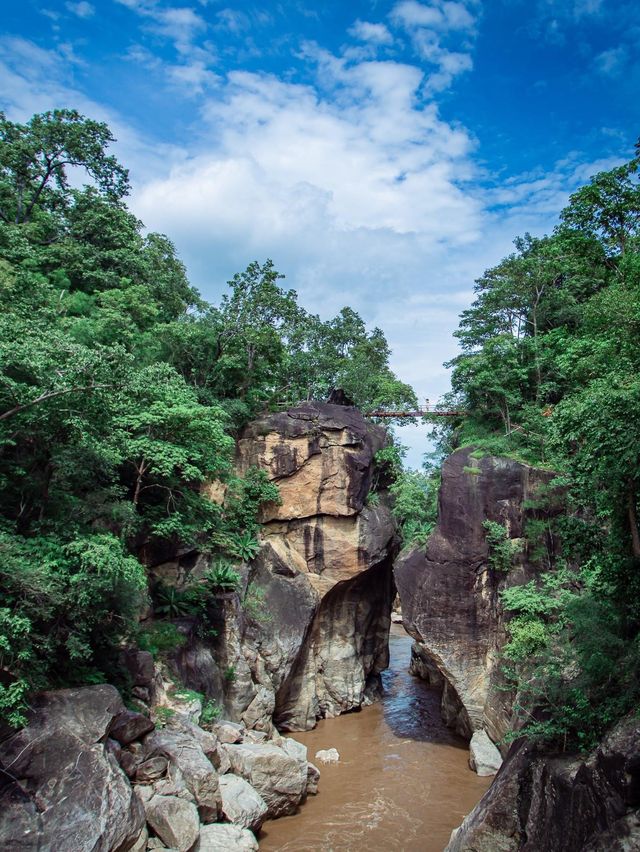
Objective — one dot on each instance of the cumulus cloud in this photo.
(81, 9)
(377, 34)
(612, 62)
(442, 35)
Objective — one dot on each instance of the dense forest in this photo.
(121, 391)
(549, 372)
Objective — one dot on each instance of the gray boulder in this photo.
(185, 754)
(174, 820)
(66, 792)
(241, 803)
(280, 778)
(226, 838)
(484, 757)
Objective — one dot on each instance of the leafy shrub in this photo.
(160, 638)
(210, 713)
(221, 577)
(501, 548)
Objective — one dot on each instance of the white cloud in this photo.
(377, 34)
(611, 62)
(441, 33)
(81, 9)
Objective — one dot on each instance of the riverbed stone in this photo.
(328, 755)
(280, 778)
(484, 757)
(185, 753)
(226, 838)
(313, 779)
(174, 820)
(241, 803)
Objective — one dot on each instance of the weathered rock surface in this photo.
(450, 593)
(226, 838)
(484, 757)
(185, 753)
(62, 789)
(279, 777)
(542, 803)
(309, 638)
(174, 820)
(241, 803)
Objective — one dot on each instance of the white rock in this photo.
(226, 838)
(484, 757)
(241, 803)
(280, 778)
(328, 755)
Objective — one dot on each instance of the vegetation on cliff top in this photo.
(120, 392)
(550, 372)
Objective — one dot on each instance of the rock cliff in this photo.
(308, 635)
(450, 589)
(546, 803)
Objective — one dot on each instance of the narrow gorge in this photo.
(306, 639)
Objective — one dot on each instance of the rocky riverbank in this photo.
(88, 774)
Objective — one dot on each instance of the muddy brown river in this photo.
(402, 782)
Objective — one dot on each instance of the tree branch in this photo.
(50, 395)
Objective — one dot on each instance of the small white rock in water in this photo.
(328, 755)
(484, 757)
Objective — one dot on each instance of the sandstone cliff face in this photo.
(308, 635)
(450, 592)
(542, 803)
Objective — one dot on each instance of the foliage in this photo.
(415, 504)
(254, 604)
(159, 638)
(222, 577)
(548, 375)
(502, 548)
(210, 713)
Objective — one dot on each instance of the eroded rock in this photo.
(546, 803)
(174, 820)
(450, 591)
(484, 757)
(226, 838)
(64, 782)
(280, 778)
(241, 803)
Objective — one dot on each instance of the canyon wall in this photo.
(450, 588)
(307, 636)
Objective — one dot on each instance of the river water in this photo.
(402, 783)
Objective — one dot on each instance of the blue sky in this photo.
(382, 152)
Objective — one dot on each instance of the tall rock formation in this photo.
(450, 591)
(308, 636)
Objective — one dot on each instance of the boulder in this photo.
(226, 838)
(174, 820)
(328, 755)
(129, 726)
(185, 753)
(280, 778)
(484, 757)
(313, 779)
(543, 802)
(228, 732)
(241, 803)
(151, 769)
(58, 765)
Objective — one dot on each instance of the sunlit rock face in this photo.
(313, 626)
(450, 591)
